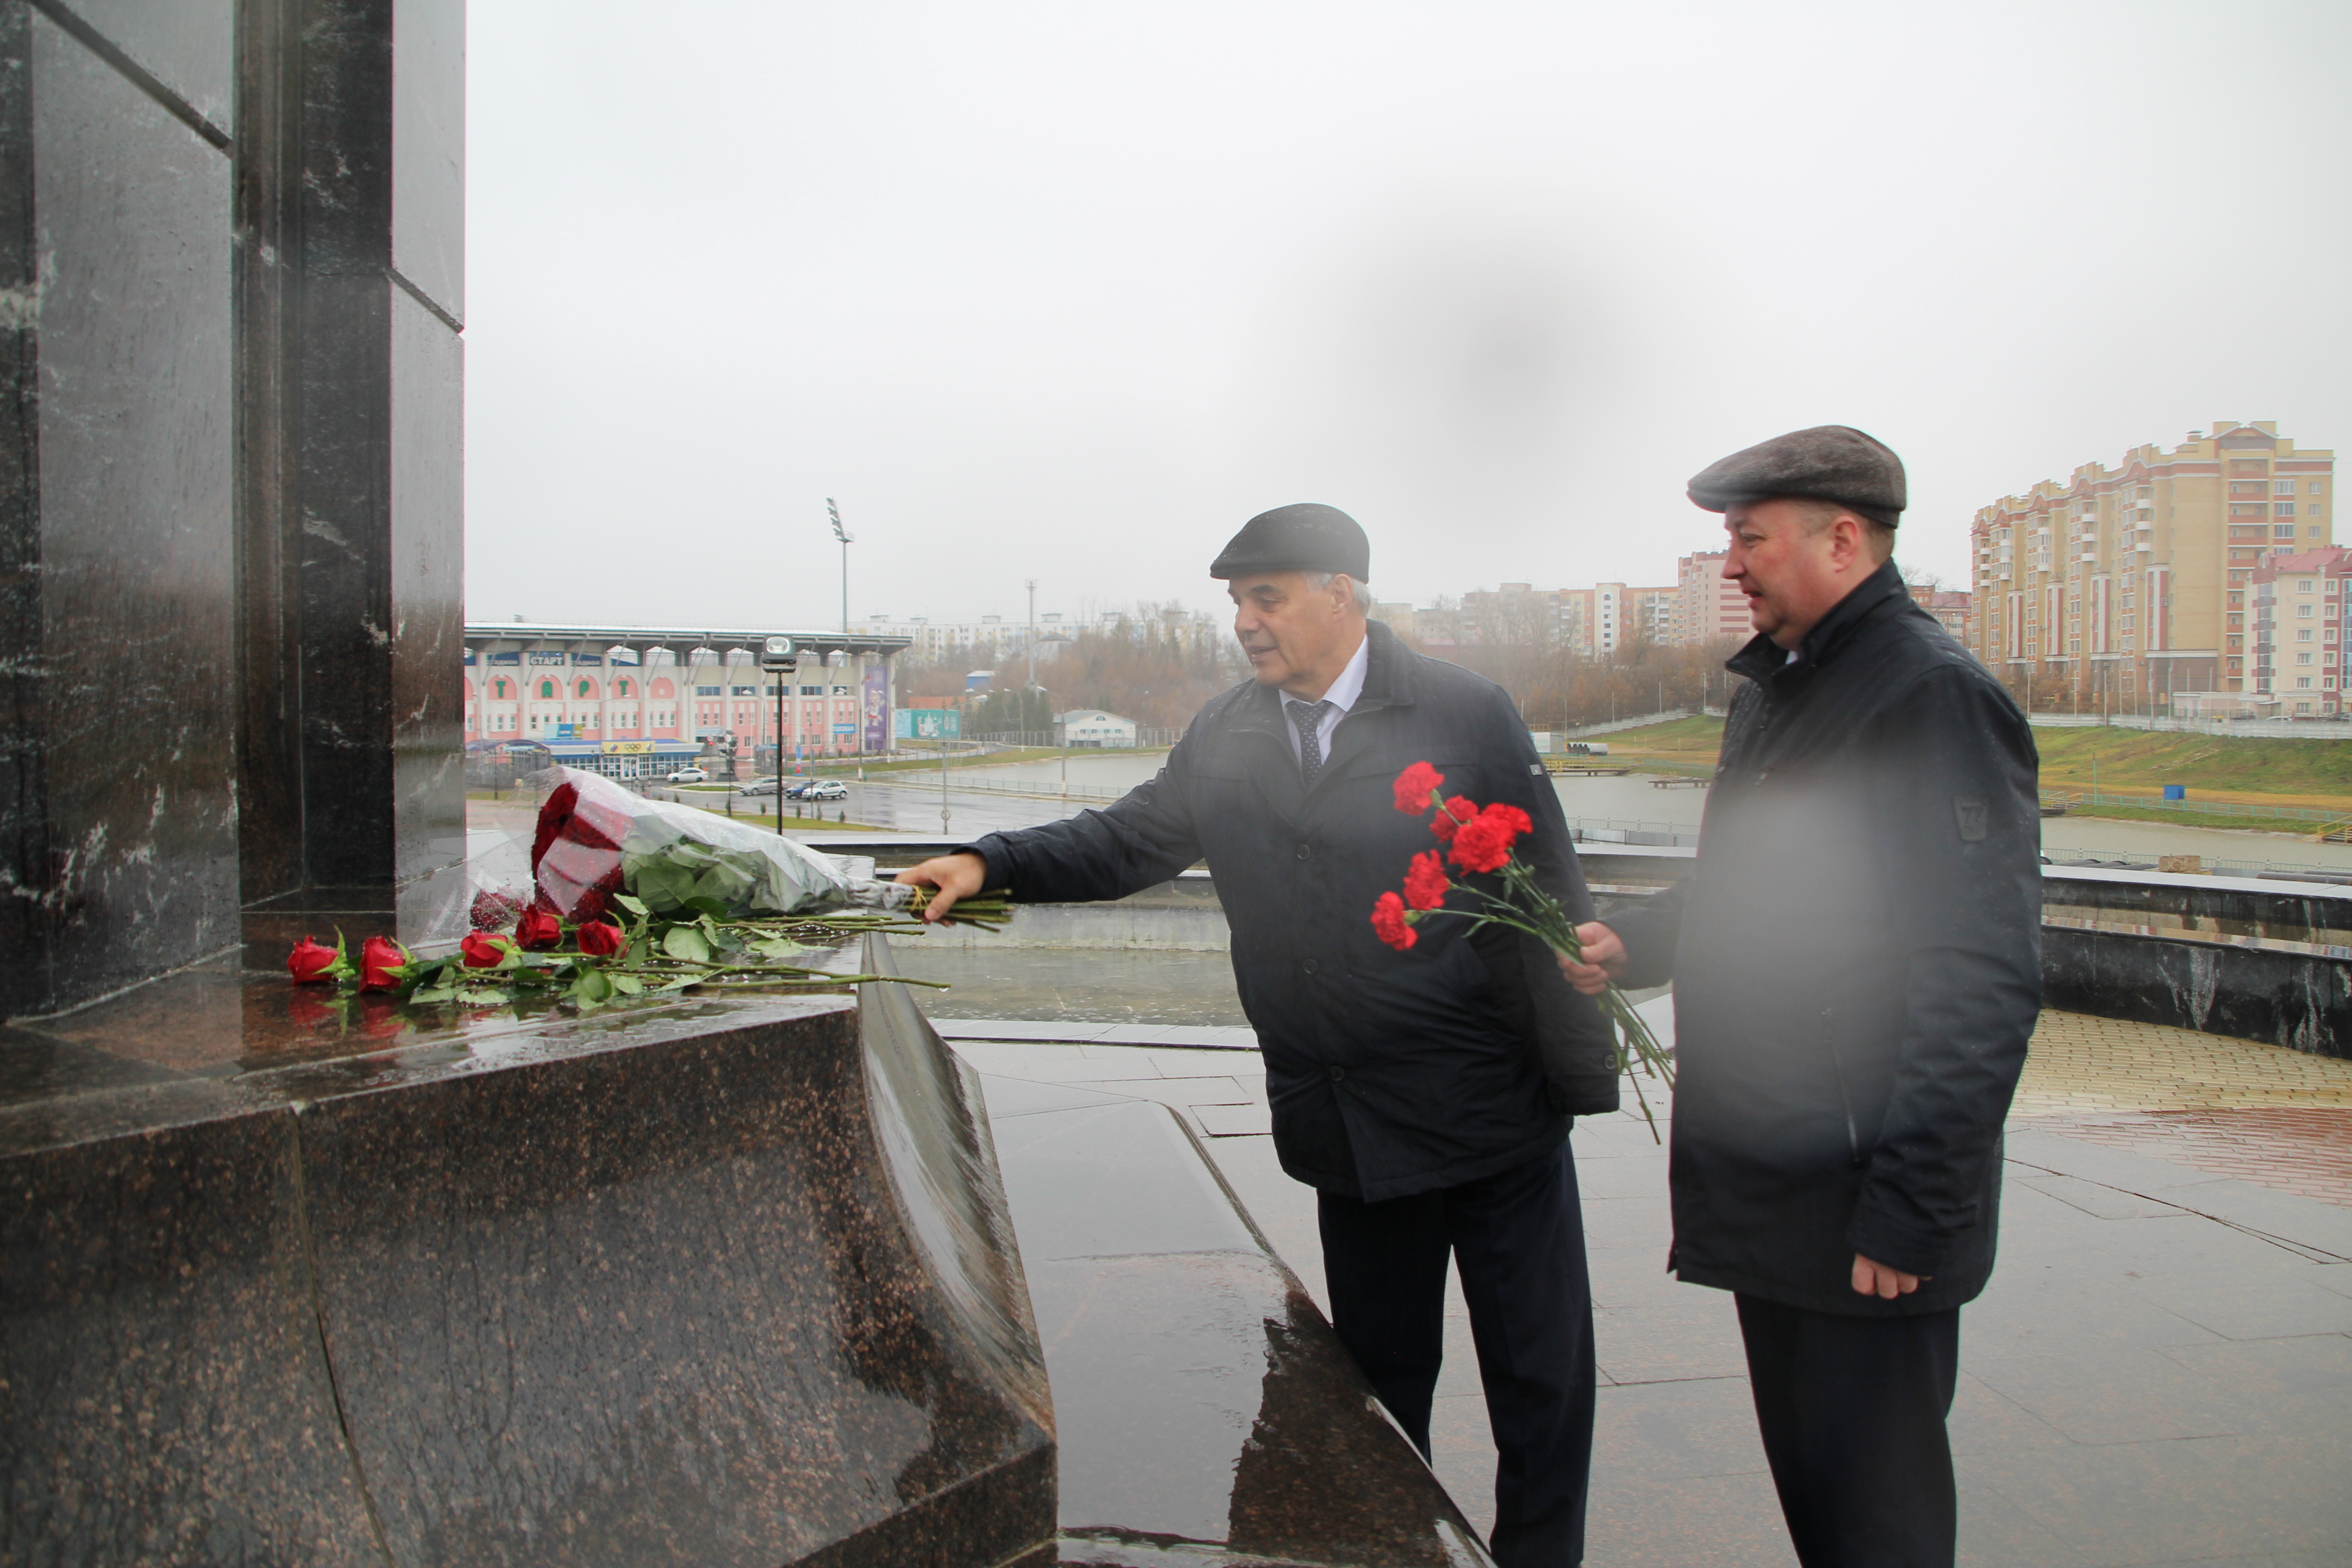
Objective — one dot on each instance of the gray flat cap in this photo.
(1828, 462)
(1306, 537)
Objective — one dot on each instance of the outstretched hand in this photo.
(1604, 958)
(952, 876)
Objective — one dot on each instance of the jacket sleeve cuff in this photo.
(994, 864)
(1899, 1244)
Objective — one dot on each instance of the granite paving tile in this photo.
(2144, 1503)
(1699, 1426)
(2272, 1304)
(2121, 1396)
(2302, 1383)
(1720, 1521)
(1984, 1421)
(1234, 1120)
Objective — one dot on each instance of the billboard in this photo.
(877, 709)
(928, 724)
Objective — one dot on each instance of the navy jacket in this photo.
(1856, 964)
(1391, 1073)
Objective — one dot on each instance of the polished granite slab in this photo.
(1207, 1414)
(292, 1280)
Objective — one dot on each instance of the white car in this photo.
(688, 775)
(827, 789)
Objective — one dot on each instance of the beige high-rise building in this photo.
(2125, 585)
(1707, 607)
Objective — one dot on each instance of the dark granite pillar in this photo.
(231, 246)
(350, 125)
(118, 798)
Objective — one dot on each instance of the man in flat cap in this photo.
(1426, 1095)
(1856, 960)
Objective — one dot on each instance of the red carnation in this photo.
(1484, 843)
(311, 961)
(378, 961)
(481, 949)
(538, 929)
(600, 939)
(1389, 923)
(1412, 788)
(1425, 881)
(1450, 817)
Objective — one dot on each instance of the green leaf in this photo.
(686, 944)
(779, 947)
(627, 985)
(483, 996)
(707, 906)
(630, 904)
(423, 997)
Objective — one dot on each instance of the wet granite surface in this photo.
(117, 461)
(704, 1282)
(1206, 1413)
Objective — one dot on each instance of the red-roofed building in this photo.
(2300, 609)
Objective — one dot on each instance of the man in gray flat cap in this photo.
(1425, 1094)
(1856, 959)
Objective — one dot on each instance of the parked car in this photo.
(688, 775)
(826, 789)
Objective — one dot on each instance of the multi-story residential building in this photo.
(1956, 611)
(2133, 582)
(1707, 607)
(2301, 605)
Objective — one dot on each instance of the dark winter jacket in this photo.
(1389, 1073)
(1856, 964)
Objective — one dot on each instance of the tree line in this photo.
(1160, 663)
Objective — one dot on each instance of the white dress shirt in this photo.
(1341, 697)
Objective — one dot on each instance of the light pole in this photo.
(847, 538)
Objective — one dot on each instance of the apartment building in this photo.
(2127, 584)
(1707, 608)
(2301, 605)
(1956, 611)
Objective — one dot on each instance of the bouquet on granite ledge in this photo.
(638, 897)
(1478, 840)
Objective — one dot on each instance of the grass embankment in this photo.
(1679, 745)
(2244, 770)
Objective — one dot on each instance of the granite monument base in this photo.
(285, 1280)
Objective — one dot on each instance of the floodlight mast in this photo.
(847, 538)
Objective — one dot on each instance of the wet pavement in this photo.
(2160, 1372)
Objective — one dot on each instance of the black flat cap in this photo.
(1307, 537)
(1828, 462)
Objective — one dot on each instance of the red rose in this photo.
(378, 958)
(1412, 788)
(600, 939)
(1425, 881)
(495, 909)
(481, 949)
(311, 961)
(538, 929)
(1484, 843)
(1450, 817)
(1388, 925)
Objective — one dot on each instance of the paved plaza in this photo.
(2162, 1371)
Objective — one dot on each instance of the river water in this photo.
(1636, 799)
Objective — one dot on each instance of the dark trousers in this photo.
(1853, 1412)
(1518, 1241)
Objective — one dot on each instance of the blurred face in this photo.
(1297, 636)
(1792, 576)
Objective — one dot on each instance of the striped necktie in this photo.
(1309, 717)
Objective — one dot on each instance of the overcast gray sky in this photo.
(1068, 292)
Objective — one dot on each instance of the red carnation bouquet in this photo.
(1478, 840)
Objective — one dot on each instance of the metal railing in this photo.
(2073, 798)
